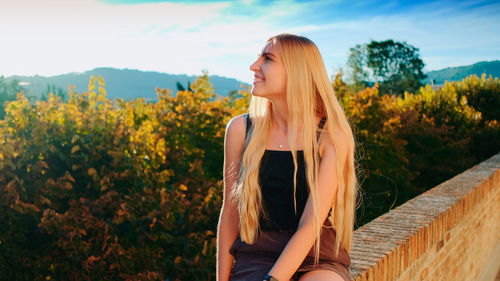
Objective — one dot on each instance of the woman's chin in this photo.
(255, 92)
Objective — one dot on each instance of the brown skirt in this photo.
(254, 261)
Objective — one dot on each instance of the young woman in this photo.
(289, 176)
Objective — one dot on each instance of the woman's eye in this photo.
(267, 58)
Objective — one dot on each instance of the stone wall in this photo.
(451, 232)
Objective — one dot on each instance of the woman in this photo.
(289, 179)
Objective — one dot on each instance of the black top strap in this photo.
(248, 124)
(320, 127)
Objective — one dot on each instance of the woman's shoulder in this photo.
(235, 131)
(326, 142)
(237, 123)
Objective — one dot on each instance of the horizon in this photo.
(189, 75)
(185, 37)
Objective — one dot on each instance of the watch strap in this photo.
(270, 278)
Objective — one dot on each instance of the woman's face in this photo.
(269, 74)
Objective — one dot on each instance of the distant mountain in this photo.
(123, 83)
(460, 72)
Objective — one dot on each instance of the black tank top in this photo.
(276, 182)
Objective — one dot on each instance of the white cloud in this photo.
(54, 37)
(58, 36)
(446, 37)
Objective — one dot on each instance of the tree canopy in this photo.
(396, 65)
(8, 92)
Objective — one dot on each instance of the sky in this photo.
(53, 37)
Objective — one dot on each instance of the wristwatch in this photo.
(269, 278)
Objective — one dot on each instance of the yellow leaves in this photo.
(209, 196)
(50, 182)
(44, 200)
(183, 187)
(122, 211)
(102, 94)
(75, 149)
(152, 223)
(160, 147)
(92, 100)
(93, 173)
(463, 101)
(204, 250)
(492, 124)
(164, 175)
(129, 117)
(91, 86)
(100, 80)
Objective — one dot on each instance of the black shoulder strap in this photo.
(320, 127)
(248, 124)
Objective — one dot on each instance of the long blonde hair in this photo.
(309, 94)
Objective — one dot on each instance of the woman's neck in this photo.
(279, 115)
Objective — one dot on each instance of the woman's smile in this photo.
(258, 78)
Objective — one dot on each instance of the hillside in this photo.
(123, 83)
(460, 72)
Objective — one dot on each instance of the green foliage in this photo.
(357, 64)
(94, 189)
(438, 127)
(406, 145)
(383, 160)
(397, 66)
(8, 92)
(54, 90)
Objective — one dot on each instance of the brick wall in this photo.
(451, 232)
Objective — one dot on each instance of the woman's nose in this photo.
(255, 66)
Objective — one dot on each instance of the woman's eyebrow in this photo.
(267, 54)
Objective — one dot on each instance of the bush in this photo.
(407, 145)
(94, 189)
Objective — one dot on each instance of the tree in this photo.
(397, 66)
(181, 88)
(54, 90)
(8, 92)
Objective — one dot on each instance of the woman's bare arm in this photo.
(227, 230)
(303, 239)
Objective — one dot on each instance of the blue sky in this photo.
(58, 36)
